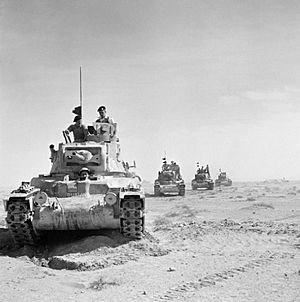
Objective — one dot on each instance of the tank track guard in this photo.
(20, 215)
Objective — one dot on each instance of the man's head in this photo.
(77, 119)
(102, 111)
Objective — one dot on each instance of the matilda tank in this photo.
(202, 179)
(89, 187)
(169, 181)
(223, 180)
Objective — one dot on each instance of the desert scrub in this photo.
(101, 283)
(263, 204)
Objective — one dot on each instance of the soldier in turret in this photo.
(207, 170)
(79, 130)
(165, 165)
(54, 153)
(176, 169)
(103, 118)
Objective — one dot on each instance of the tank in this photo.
(169, 181)
(223, 180)
(202, 179)
(89, 187)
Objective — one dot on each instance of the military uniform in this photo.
(105, 119)
(79, 131)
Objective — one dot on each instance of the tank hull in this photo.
(206, 184)
(226, 183)
(30, 212)
(169, 189)
(76, 213)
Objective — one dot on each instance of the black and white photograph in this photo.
(150, 150)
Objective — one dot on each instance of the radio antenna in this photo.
(80, 88)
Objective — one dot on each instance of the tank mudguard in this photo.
(139, 194)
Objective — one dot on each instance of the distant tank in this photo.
(223, 180)
(89, 187)
(202, 179)
(169, 181)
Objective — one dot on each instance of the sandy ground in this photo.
(240, 243)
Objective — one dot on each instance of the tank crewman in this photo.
(165, 165)
(53, 152)
(79, 130)
(176, 168)
(102, 116)
(207, 171)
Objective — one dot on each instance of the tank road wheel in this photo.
(156, 191)
(132, 219)
(181, 190)
(19, 222)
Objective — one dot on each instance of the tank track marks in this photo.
(19, 222)
(188, 289)
(132, 220)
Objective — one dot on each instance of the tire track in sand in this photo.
(189, 288)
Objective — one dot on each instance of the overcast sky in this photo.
(211, 81)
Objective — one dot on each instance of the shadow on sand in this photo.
(82, 250)
(60, 243)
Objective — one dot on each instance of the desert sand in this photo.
(239, 243)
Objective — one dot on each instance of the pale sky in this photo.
(211, 81)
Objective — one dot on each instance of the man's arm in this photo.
(85, 132)
(69, 129)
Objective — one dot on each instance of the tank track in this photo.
(132, 220)
(19, 222)
(181, 190)
(211, 186)
(156, 190)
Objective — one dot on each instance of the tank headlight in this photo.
(41, 198)
(110, 198)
